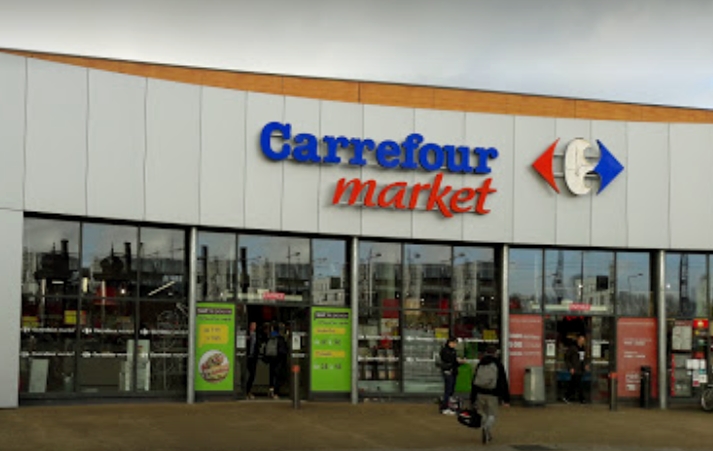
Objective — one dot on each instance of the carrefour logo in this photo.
(579, 166)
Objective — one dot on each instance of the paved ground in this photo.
(272, 426)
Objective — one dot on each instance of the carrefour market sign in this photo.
(278, 142)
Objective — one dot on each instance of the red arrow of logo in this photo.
(543, 165)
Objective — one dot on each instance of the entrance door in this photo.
(560, 333)
(292, 324)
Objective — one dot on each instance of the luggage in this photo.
(470, 418)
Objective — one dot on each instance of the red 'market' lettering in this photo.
(436, 198)
(398, 198)
(483, 192)
(394, 195)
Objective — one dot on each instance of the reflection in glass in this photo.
(474, 282)
(563, 279)
(329, 279)
(525, 280)
(47, 346)
(163, 341)
(633, 275)
(109, 260)
(427, 277)
(379, 325)
(50, 257)
(216, 266)
(278, 268)
(686, 285)
(425, 332)
(379, 353)
(598, 281)
(163, 264)
(107, 345)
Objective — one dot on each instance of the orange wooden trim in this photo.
(391, 94)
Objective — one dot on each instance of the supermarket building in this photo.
(150, 214)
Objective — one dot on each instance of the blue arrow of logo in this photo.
(608, 167)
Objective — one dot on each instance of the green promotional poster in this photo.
(331, 350)
(215, 347)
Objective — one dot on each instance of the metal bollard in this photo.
(613, 389)
(295, 386)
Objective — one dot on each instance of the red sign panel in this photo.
(272, 296)
(525, 348)
(637, 346)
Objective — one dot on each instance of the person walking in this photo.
(577, 364)
(449, 368)
(253, 355)
(490, 388)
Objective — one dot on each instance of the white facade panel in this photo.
(222, 189)
(497, 131)
(387, 123)
(172, 152)
(691, 213)
(11, 304)
(339, 120)
(13, 75)
(56, 146)
(573, 212)
(443, 128)
(300, 191)
(116, 146)
(609, 226)
(264, 177)
(648, 185)
(535, 207)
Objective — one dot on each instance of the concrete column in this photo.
(354, 296)
(11, 230)
(505, 308)
(192, 280)
(661, 309)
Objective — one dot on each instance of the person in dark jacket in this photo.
(253, 342)
(489, 389)
(449, 369)
(577, 364)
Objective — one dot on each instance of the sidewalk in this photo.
(272, 426)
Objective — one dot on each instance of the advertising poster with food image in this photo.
(215, 347)
(331, 350)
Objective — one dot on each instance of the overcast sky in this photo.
(642, 51)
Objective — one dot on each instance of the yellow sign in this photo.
(70, 317)
(324, 354)
(213, 334)
(330, 331)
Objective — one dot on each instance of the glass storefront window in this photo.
(597, 285)
(216, 267)
(633, 275)
(474, 283)
(279, 268)
(329, 275)
(163, 342)
(379, 276)
(427, 277)
(379, 352)
(109, 267)
(50, 253)
(563, 280)
(686, 285)
(525, 280)
(425, 332)
(163, 264)
(106, 345)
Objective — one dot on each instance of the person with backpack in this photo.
(449, 363)
(275, 353)
(489, 389)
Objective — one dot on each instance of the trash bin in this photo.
(645, 390)
(534, 386)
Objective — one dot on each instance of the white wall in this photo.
(117, 146)
(10, 277)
